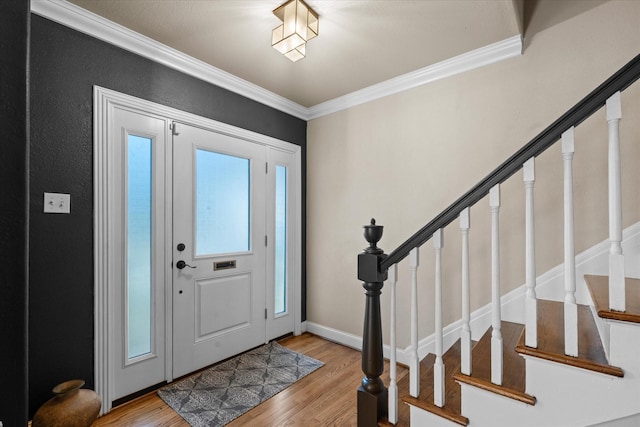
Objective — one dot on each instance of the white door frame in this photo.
(105, 100)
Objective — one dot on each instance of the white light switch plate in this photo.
(57, 203)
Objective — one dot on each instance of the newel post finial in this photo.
(373, 234)
(372, 393)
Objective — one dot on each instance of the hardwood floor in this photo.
(327, 397)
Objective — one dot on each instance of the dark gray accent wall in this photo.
(65, 65)
(14, 154)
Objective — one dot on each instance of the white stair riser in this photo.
(424, 418)
(484, 408)
(625, 348)
(573, 396)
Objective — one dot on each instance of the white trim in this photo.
(477, 58)
(480, 321)
(101, 257)
(168, 273)
(104, 102)
(116, 98)
(335, 335)
(425, 346)
(299, 327)
(549, 284)
(80, 19)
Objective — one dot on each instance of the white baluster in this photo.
(414, 361)
(438, 367)
(616, 258)
(393, 384)
(496, 334)
(570, 307)
(531, 305)
(465, 334)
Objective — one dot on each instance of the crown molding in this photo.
(79, 19)
(82, 20)
(477, 58)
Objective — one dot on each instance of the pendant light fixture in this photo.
(299, 25)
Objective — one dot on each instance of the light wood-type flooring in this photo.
(326, 397)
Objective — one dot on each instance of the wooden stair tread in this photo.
(513, 380)
(599, 288)
(591, 354)
(452, 407)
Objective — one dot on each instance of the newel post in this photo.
(372, 394)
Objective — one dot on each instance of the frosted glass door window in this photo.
(222, 203)
(139, 245)
(281, 241)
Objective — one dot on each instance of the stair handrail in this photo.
(591, 103)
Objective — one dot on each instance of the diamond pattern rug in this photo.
(220, 394)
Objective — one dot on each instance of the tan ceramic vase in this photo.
(70, 407)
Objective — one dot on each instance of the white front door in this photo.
(219, 266)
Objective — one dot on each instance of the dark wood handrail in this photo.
(621, 80)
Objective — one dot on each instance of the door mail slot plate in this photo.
(224, 265)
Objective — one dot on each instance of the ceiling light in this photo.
(299, 25)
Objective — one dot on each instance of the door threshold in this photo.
(137, 394)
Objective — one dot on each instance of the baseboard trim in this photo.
(351, 340)
(511, 303)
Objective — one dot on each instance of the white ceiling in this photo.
(366, 49)
(360, 43)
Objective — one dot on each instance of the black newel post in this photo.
(372, 394)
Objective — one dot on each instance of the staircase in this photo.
(546, 378)
(564, 363)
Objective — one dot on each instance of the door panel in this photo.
(281, 232)
(217, 316)
(138, 289)
(219, 216)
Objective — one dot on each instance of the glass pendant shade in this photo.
(297, 53)
(299, 25)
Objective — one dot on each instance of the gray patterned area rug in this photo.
(220, 394)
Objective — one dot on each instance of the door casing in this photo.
(105, 101)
